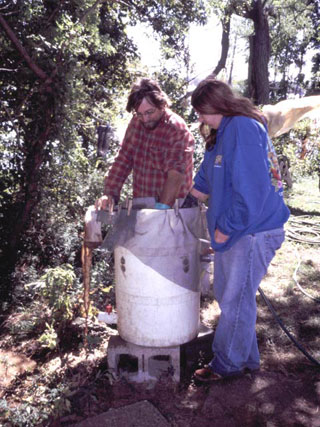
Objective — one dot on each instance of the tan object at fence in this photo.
(283, 115)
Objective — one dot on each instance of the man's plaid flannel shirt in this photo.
(150, 154)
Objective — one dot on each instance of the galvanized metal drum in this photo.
(157, 271)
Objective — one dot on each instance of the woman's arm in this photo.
(201, 196)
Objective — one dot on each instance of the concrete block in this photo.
(140, 364)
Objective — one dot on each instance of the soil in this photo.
(286, 390)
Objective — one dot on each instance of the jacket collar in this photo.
(224, 122)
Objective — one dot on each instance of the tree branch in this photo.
(83, 17)
(88, 11)
(34, 67)
(9, 70)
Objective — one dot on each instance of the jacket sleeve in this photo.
(248, 167)
(200, 181)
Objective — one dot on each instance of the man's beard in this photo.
(152, 124)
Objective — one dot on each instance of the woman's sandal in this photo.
(206, 374)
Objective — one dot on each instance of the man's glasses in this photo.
(147, 114)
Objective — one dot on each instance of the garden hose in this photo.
(303, 229)
(296, 280)
(298, 228)
(299, 346)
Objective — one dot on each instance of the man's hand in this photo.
(171, 187)
(105, 203)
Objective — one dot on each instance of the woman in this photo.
(240, 178)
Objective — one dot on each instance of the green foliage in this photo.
(170, 19)
(292, 33)
(49, 339)
(42, 403)
(24, 327)
(29, 320)
(55, 286)
(199, 148)
(50, 172)
(59, 295)
(302, 146)
(303, 199)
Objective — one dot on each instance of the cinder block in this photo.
(139, 364)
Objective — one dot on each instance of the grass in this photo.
(304, 197)
(296, 263)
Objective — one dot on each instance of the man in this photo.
(157, 148)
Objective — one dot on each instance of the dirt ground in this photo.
(280, 394)
(285, 392)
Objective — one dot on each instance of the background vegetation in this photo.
(66, 68)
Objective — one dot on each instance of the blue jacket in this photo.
(241, 176)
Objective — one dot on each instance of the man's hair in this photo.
(151, 91)
(213, 96)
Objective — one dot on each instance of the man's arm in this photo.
(119, 172)
(178, 160)
(113, 182)
(117, 175)
(171, 187)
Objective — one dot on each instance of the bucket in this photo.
(157, 271)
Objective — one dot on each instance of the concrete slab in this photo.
(139, 414)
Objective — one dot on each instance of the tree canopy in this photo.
(65, 65)
(282, 31)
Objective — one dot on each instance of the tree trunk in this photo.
(224, 44)
(31, 191)
(258, 76)
(29, 194)
(232, 60)
(34, 146)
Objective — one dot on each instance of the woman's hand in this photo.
(220, 237)
(201, 196)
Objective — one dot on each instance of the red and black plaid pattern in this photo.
(150, 154)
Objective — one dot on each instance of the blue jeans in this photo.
(237, 275)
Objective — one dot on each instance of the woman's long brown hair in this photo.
(213, 96)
